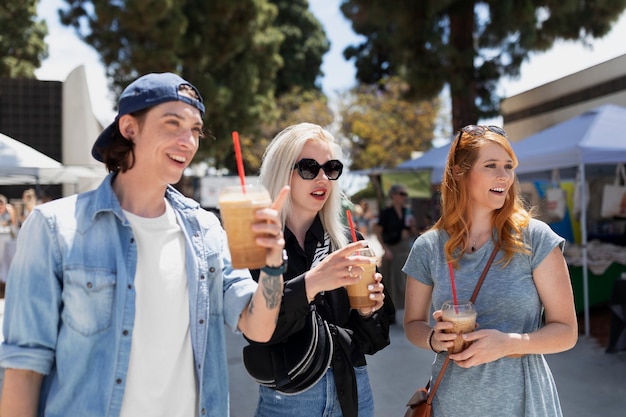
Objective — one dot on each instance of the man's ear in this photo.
(128, 126)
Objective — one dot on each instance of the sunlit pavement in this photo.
(590, 382)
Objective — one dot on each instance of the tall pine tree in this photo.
(228, 49)
(240, 54)
(303, 48)
(466, 44)
(22, 46)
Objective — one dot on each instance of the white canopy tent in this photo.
(593, 138)
(21, 164)
(433, 160)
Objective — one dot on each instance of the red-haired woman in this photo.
(525, 306)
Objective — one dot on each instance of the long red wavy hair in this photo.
(508, 222)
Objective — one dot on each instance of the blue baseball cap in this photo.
(146, 91)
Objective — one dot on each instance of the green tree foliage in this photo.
(297, 106)
(22, 46)
(382, 127)
(298, 94)
(466, 44)
(228, 49)
(303, 48)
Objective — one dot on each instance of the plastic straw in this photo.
(456, 308)
(242, 174)
(349, 215)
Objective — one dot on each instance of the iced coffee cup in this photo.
(237, 212)
(358, 293)
(463, 317)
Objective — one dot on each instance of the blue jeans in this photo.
(318, 401)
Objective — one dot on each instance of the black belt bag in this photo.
(295, 365)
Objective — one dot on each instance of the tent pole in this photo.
(583, 228)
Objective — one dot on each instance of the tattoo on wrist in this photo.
(272, 287)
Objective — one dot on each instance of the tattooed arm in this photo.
(258, 320)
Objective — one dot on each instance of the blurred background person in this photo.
(396, 230)
(29, 199)
(8, 232)
(8, 217)
(364, 217)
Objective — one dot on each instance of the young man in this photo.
(118, 296)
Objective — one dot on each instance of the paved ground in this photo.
(590, 382)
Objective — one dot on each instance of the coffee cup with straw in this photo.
(358, 293)
(238, 205)
(462, 315)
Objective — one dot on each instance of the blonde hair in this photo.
(508, 221)
(277, 166)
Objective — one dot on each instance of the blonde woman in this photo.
(525, 306)
(306, 157)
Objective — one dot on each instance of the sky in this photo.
(67, 52)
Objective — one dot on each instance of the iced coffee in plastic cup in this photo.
(358, 293)
(237, 212)
(463, 317)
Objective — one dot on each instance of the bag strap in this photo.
(484, 274)
(431, 393)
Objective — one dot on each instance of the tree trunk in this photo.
(462, 54)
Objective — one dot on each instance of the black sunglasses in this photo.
(309, 168)
(403, 193)
(476, 131)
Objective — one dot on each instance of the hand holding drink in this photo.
(359, 293)
(238, 210)
(462, 315)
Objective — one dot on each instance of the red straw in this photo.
(242, 175)
(456, 308)
(349, 214)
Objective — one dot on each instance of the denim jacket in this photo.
(70, 303)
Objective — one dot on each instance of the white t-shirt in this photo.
(161, 379)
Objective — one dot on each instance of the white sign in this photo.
(210, 188)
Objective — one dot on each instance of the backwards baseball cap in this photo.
(146, 91)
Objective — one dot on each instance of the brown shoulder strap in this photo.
(484, 274)
(432, 392)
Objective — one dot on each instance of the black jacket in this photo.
(353, 335)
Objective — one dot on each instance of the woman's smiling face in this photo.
(491, 177)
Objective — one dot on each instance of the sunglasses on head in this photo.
(477, 131)
(309, 168)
